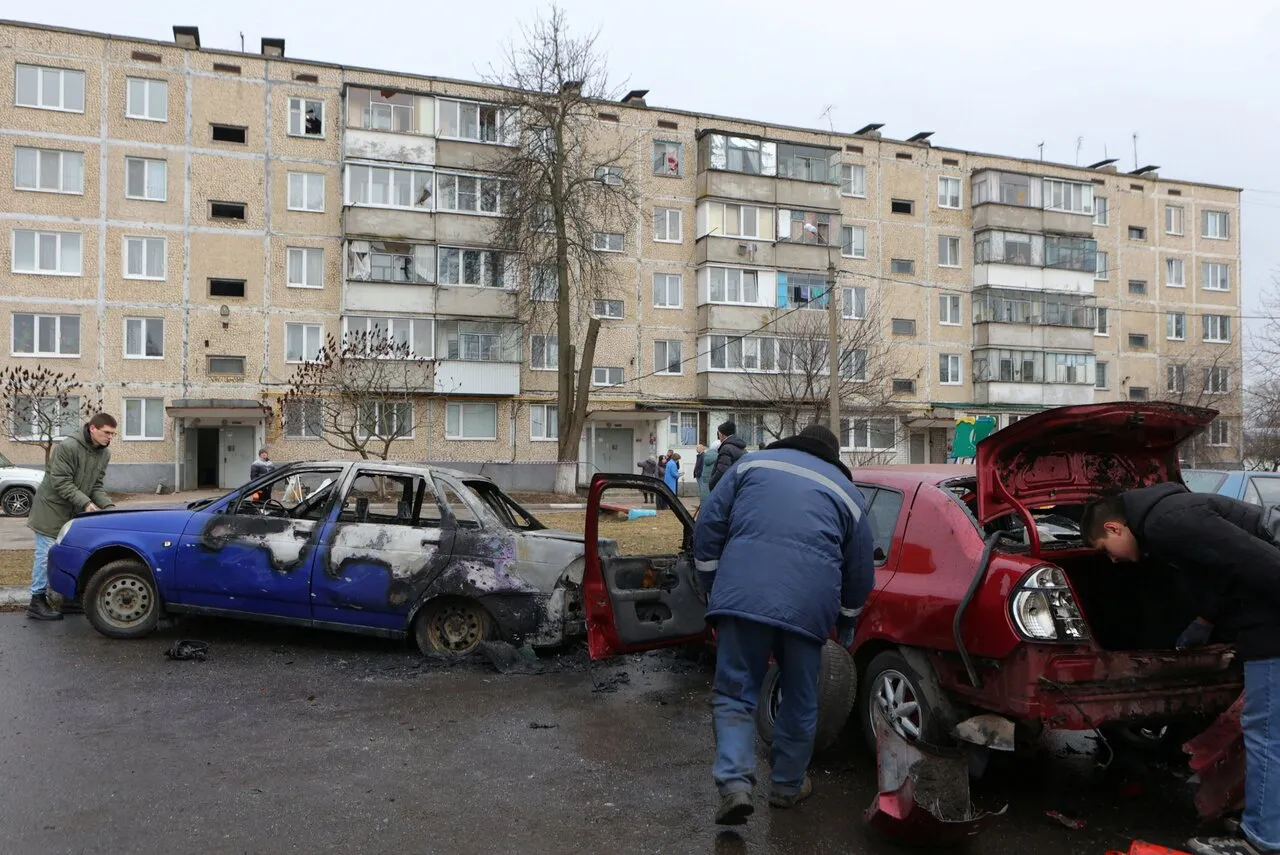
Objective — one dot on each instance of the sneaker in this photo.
(39, 609)
(734, 809)
(787, 800)
(1223, 846)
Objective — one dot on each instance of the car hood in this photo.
(166, 519)
(20, 473)
(1069, 455)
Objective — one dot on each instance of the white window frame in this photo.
(35, 336)
(1220, 217)
(610, 176)
(460, 409)
(665, 214)
(317, 329)
(1220, 438)
(949, 242)
(865, 445)
(1069, 190)
(662, 293)
(457, 105)
(1181, 220)
(1175, 326)
(302, 101)
(953, 375)
(40, 93)
(606, 245)
(1210, 283)
(144, 243)
(1100, 372)
(150, 182)
(1102, 322)
(1169, 265)
(1222, 333)
(665, 344)
(852, 244)
(945, 196)
(1101, 212)
(149, 99)
(544, 284)
(665, 172)
(1175, 378)
(443, 178)
(489, 260)
(740, 286)
(349, 197)
(143, 323)
(67, 418)
(546, 410)
(853, 305)
(848, 185)
(1213, 374)
(39, 154)
(1102, 266)
(596, 313)
(418, 350)
(949, 310)
(595, 376)
(378, 418)
(144, 404)
(304, 252)
(298, 409)
(306, 182)
(58, 249)
(550, 352)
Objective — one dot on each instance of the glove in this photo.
(1195, 635)
(846, 626)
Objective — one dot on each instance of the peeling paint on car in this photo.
(286, 541)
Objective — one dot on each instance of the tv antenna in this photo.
(1135, 150)
(826, 114)
(242, 41)
(1041, 147)
(1079, 145)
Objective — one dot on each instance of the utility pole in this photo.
(833, 349)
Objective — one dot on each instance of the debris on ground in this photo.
(533, 725)
(1142, 847)
(1218, 760)
(189, 649)
(1065, 821)
(509, 659)
(610, 682)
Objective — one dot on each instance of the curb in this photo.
(14, 595)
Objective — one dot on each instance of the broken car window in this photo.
(299, 495)
(386, 499)
(511, 514)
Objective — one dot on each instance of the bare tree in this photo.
(567, 196)
(357, 395)
(1207, 376)
(40, 405)
(1262, 426)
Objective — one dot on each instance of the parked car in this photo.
(370, 547)
(17, 487)
(985, 600)
(1258, 488)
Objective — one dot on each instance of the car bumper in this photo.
(64, 570)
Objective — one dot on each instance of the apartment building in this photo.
(188, 225)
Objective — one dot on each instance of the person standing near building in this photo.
(261, 466)
(72, 485)
(785, 549)
(671, 474)
(708, 466)
(731, 450)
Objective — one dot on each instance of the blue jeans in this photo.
(1260, 721)
(742, 658)
(40, 565)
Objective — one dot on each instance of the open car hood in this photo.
(1069, 455)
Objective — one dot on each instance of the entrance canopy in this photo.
(213, 411)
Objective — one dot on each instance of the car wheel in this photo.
(891, 685)
(837, 689)
(16, 501)
(453, 627)
(121, 600)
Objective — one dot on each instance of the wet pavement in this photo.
(299, 741)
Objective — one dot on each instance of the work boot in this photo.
(790, 800)
(734, 809)
(1223, 846)
(41, 610)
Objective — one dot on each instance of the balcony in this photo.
(1015, 318)
(1025, 203)
(769, 171)
(359, 144)
(1033, 377)
(475, 302)
(714, 316)
(1035, 262)
(467, 377)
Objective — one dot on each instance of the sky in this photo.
(1197, 82)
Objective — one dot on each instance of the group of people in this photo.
(708, 468)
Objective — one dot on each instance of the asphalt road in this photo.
(295, 741)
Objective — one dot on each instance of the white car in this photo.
(17, 487)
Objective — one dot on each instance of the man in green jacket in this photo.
(72, 485)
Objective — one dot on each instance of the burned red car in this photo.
(986, 599)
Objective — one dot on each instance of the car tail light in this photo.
(1044, 609)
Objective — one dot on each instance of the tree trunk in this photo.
(573, 421)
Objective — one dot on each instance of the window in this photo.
(1176, 379)
(1138, 341)
(544, 352)
(731, 285)
(949, 369)
(1220, 432)
(903, 326)
(1214, 225)
(607, 242)
(1100, 211)
(1217, 328)
(867, 434)
(1071, 253)
(853, 364)
(392, 261)
(48, 170)
(41, 418)
(948, 251)
(480, 267)
(46, 253)
(853, 304)
(904, 387)
(803, 290)
(1100, 376)
(853, 180)
(303, 342)
(668, 225)
(384, 187)
(306, 117)
(1217, 380)
(226, 365)
(544, 284)
(1074, 368)
(144, 338)
(1175, 326)
(229, 134)
(1068, 196)
(1173, 219)
(949, 309)
(1215, 277)
(413, 337)
(226, 287)
(903, 266)
(1174, 273)
(948, 192)
(471, 421)
(602, 376)
(49, 88)
(902, 206)
(1137, 233)
(466, 120)
(682, 430)
(306, 191)
(666, 357)
(807, 227)
(303, 419)
(380, 110)
(1138, 393)
(1137, 287)
(544, 422)
(144, 418)
(725, 220)
(668, 158)
(1103, 270)
(46, 335)
(804, 163)
(1103, 322)
(469, 194)
(146, 99)
(611, 309)
(226, 211)
(146, 179)
(144, 258)
(306, 267)
(609, 175)
(667, 290)
(853, 241)
(385, 419)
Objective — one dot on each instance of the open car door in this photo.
(639, 602)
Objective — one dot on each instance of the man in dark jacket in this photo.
(261, 466)
(1220, 544)
(784, 547)
(731, 450)
(72, 485)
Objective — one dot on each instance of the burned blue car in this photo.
(444, 557)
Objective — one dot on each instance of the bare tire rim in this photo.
(125, 601)
(456, 628)
(17, 503)
(893, 696)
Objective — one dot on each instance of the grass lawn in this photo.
(645, 536)
(15, 567)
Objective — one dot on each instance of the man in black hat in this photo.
(731, 450)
